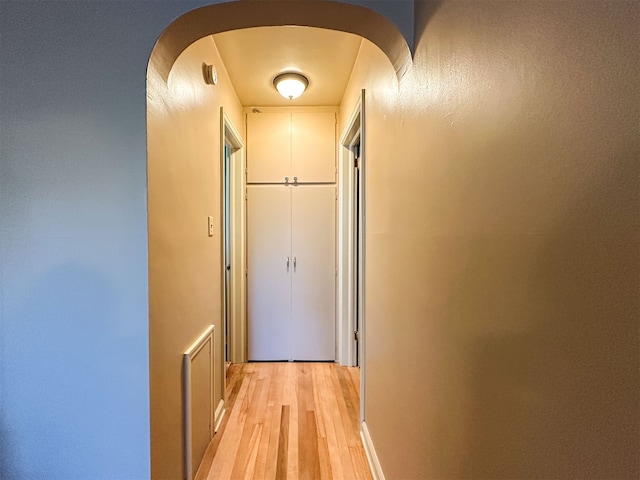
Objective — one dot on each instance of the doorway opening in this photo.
(351, 242)
(358, 244)
(233, 233)
(186, 281)
(227, 242)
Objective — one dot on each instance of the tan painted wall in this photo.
(502, 243)
(184, 263)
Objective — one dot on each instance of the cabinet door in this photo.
(268, 147)
(313, 147)
(313, 285)
(269, 278)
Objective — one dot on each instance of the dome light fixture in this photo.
(290, 85)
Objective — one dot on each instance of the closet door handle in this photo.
(295, 260)
(287, 264)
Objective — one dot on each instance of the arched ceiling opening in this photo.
(225, 17)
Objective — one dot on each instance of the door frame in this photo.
(354, 132)
(237, 334)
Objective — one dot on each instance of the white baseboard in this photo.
(372, 457)
(219, 415)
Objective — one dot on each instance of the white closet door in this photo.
(313, 146)
(268, 147)
(269, 277)
(313, 285)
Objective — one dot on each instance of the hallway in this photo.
(289, 420)
(501, 270)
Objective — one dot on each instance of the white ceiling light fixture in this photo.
(291, 85)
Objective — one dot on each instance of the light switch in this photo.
(210, 226)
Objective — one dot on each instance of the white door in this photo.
(269, 264)
(313, 147)
(313, 294)
(291, 272)
(268, 147)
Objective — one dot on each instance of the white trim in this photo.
(346, 262)
(195, 347)
(219, 415)
(235, 138)
(355, 128)
(206, 337)
(370, 451)
(350, 129)
(237, 315)
(363, 255)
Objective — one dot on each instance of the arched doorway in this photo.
(183, 125)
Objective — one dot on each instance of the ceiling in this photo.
(254, 56)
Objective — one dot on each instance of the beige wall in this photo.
(184, 263)
(502, 243)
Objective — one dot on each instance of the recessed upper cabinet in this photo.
(268, 147)
(291, 147)
(313, 146)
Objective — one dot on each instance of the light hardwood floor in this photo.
(288, 421)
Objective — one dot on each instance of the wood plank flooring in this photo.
(294, 421)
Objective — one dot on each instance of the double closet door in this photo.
(291, 236)
(291, 272)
